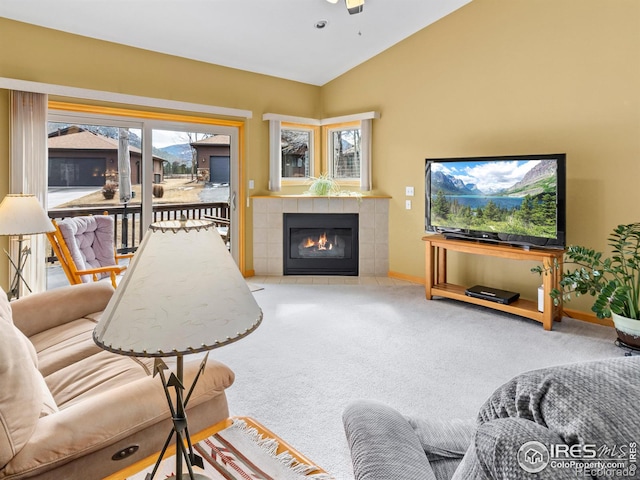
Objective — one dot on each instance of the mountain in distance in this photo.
(451, 185)
(180, 152)
(539, 179)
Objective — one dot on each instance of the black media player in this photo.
(492, 294)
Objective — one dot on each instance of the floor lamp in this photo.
(22, 215)
(182, 294)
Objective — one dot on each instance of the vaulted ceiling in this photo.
(272, 37)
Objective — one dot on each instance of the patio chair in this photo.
(85, 248)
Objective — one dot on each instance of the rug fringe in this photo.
(270, 445)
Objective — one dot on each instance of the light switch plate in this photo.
(409, 191)
(407, 204)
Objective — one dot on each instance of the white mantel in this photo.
(373, 233)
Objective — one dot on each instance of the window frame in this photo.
(62, 111)
(328, 157)
(314, 152)
(277, 121)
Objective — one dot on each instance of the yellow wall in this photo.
(508, 77)
(495, 77)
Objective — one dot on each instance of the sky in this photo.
(164, 138)
(488, 176)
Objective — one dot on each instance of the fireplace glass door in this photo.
(320, 244)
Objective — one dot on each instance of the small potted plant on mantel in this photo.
(323, 186)
(614, 281)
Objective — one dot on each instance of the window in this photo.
(344, 152)
(296, 145)
(177, 165)
(84, 155)
(294, 154)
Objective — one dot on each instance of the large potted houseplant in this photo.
(614, 281)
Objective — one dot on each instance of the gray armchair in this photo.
(591, 405)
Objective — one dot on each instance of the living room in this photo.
(491, 78)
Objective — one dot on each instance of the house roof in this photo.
(223, 140)
(272, 37)
(76, 138)
(84, 140)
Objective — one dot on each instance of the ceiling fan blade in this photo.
(354, 6)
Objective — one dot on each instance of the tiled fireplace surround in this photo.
(373, 218)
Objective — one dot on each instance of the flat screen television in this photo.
(517, 199)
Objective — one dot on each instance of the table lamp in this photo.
(22, 215)
(182, 294)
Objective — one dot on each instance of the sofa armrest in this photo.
(42, 311)
(383, 444)
(104, 419)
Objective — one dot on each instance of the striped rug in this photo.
(243, 451)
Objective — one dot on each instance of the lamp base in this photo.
(14, 290)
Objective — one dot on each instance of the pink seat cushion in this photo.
(90, 241)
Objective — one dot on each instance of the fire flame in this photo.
(321, 244)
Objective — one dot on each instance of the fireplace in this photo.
(320, 244)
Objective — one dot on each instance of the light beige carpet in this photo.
(320, 347)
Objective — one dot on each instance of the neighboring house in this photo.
(80, 158)
(213, 154)
(295, 153)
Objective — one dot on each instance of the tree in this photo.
(440, 205)
(193, 138)
(466, 214)
(525, 214)
(491, 211)
(549, 207)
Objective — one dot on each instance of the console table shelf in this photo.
(436, 275)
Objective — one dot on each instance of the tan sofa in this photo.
(68, 408)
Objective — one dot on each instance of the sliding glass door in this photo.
(142, 171)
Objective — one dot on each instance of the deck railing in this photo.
(128, 229)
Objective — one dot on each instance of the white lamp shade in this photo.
(22, 214)
(182, 294)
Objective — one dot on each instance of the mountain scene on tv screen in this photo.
(512, 197)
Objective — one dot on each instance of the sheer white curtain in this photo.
(28, 171)
(365, 155)
(275, 156)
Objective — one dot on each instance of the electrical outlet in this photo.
(409, 191)
(251, 184)
(407, 204)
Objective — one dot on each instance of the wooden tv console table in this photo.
(436, 275)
